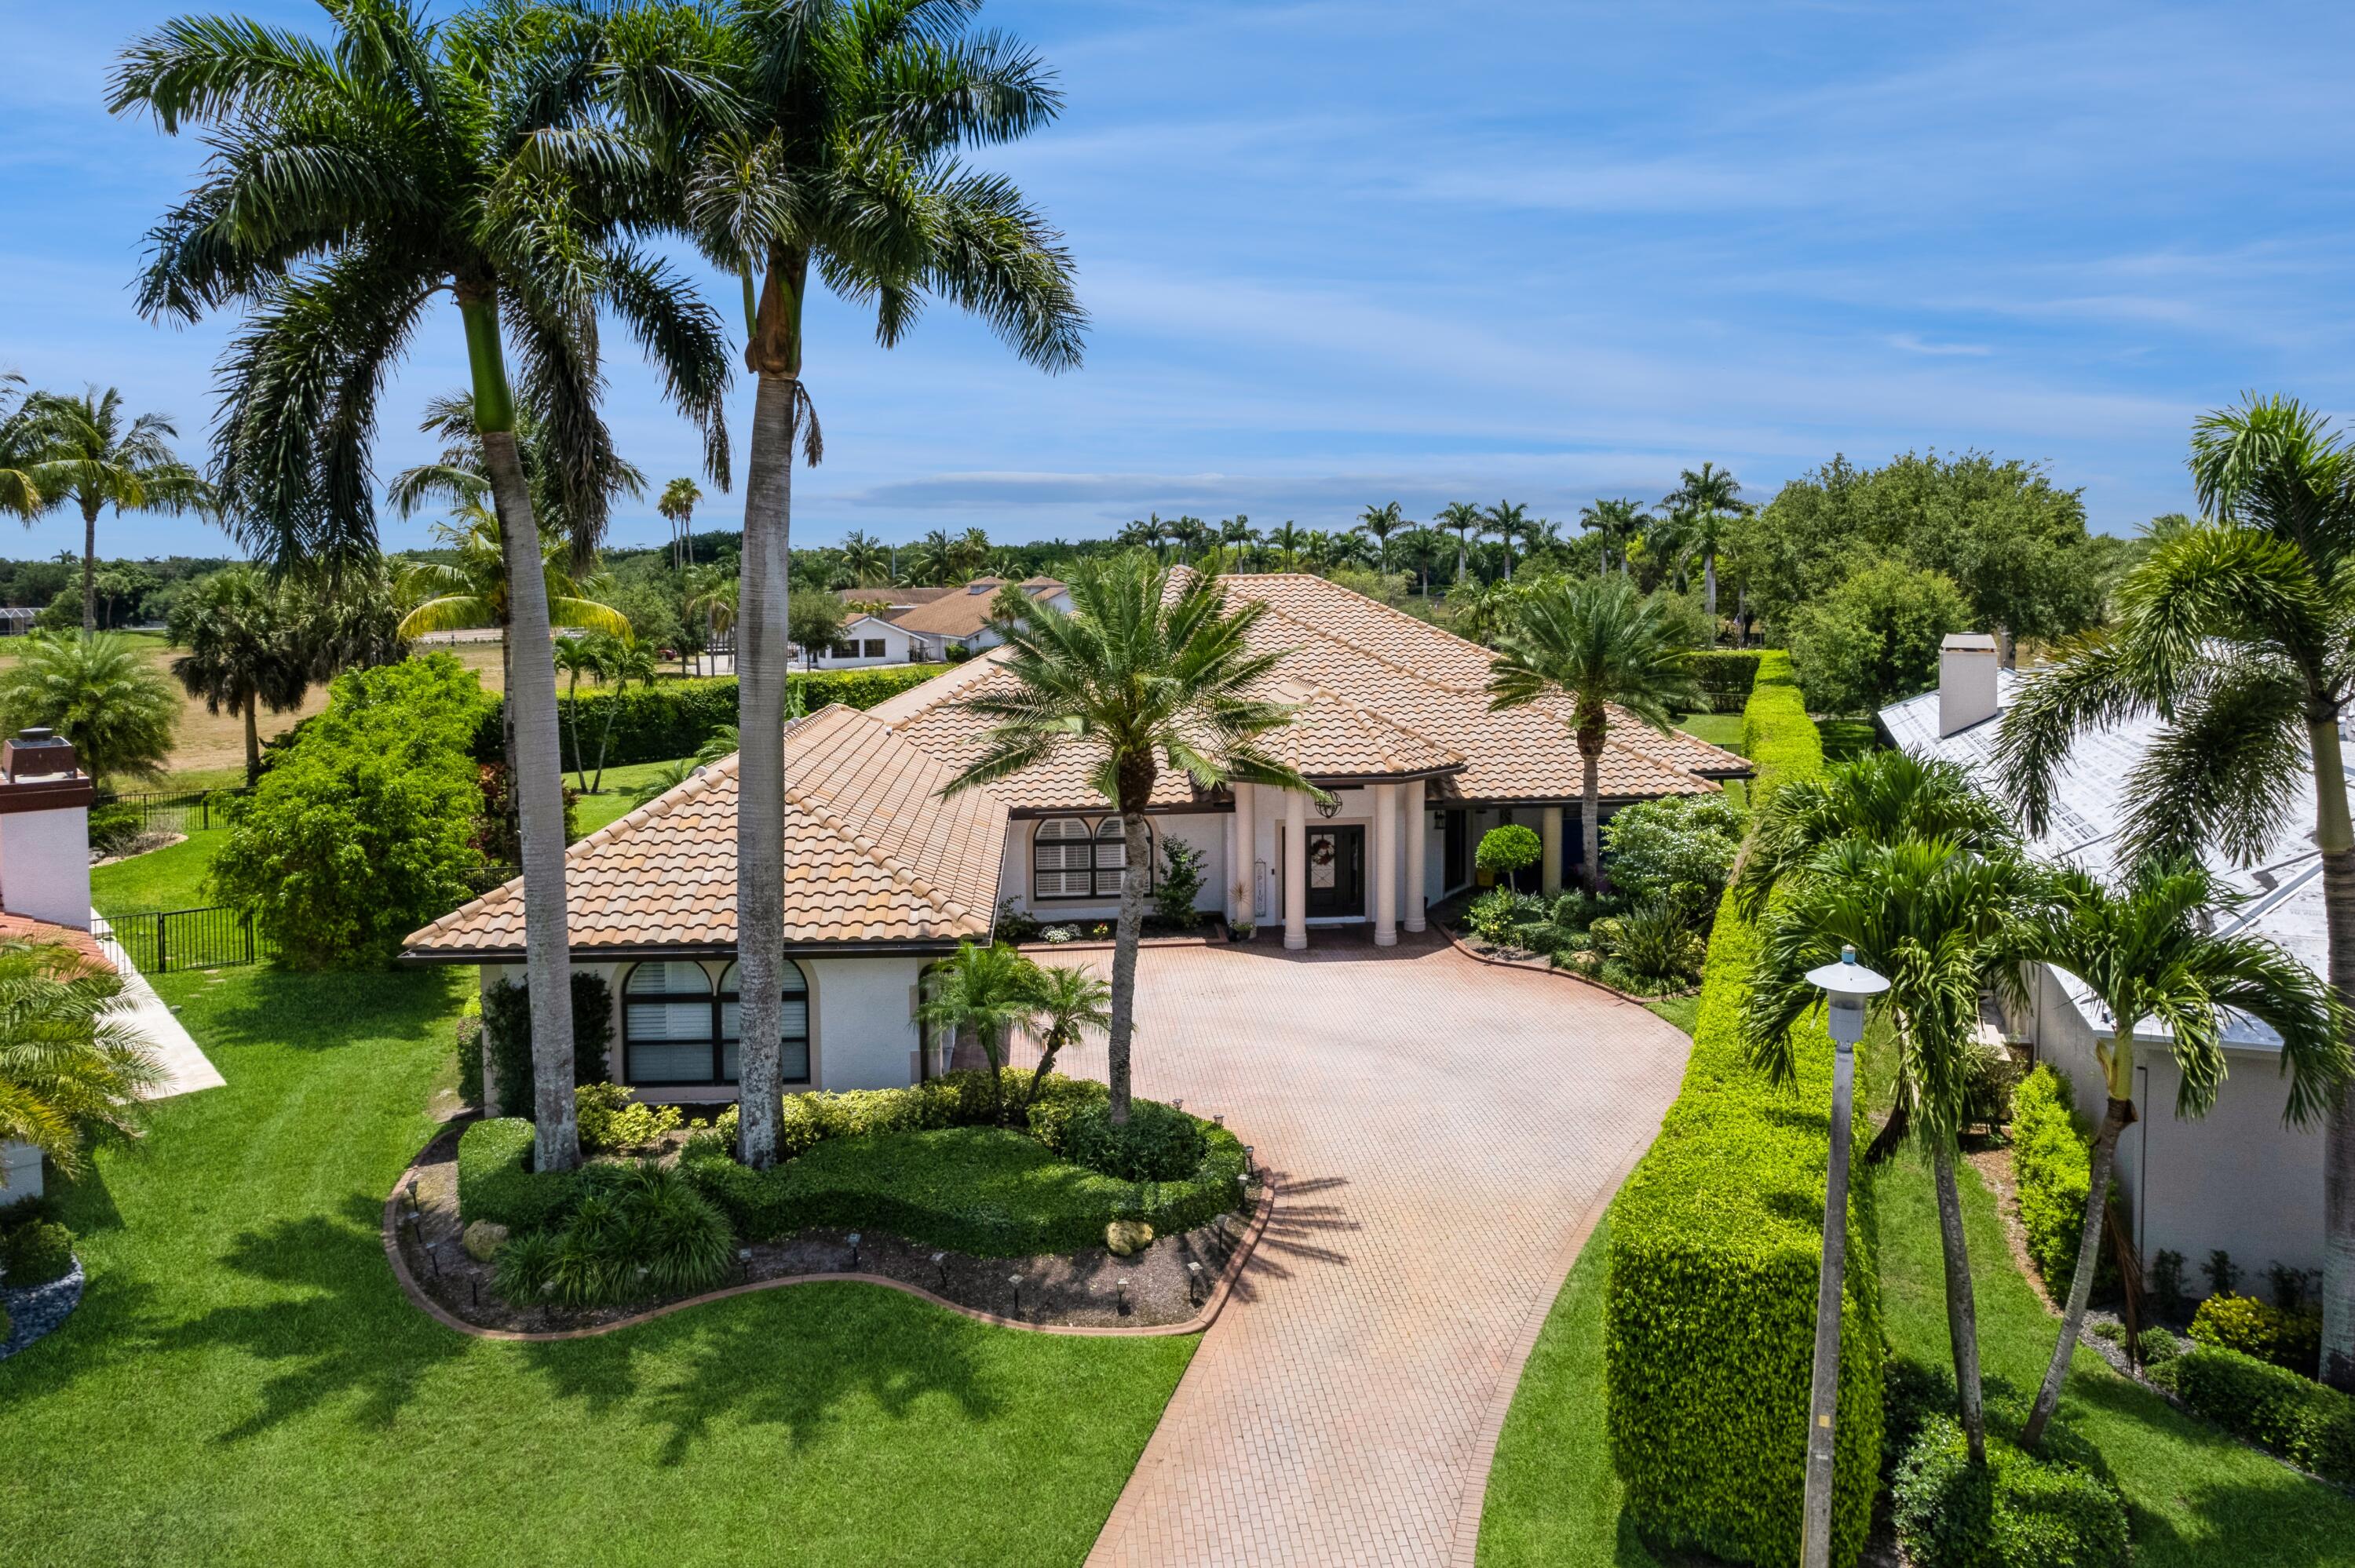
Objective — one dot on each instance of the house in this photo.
(960, 616)
(2240, 1177)
(868, 638)
(885, 876)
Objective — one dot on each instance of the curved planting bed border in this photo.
(37, 1311)
(1532, 966)
(1211, 1304)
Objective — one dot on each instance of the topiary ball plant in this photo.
(1505, 850)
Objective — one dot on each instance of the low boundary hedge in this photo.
(672, 718)
(1708, 1328)
(2054, 1167)
(2305, 1422)
(1726, 676)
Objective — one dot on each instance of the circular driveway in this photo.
(1443, 1134)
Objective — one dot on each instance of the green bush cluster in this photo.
(115, 825)
(34, 1251)
(1505, 849)
(1679, 846)
(506, 1038)
(636, 1231)
(1725, 676)
(497, 1181)
(1159, 1143)
(2017, 1510)
(1710, 1306)
(611, 1120)
(2288, 1338)
(2308, 1424)
(2053, 1167)
(672, 718)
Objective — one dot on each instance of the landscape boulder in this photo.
(1124, 1237)
(483, 1240)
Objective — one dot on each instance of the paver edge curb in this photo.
(1212, 1305)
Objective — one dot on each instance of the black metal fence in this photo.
(215, 936)
(173, 811)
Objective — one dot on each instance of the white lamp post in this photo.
(1848, 983)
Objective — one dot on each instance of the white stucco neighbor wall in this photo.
(897, 645)
(45, 866)
(2236, 1179)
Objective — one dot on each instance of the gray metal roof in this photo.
(2089, 802)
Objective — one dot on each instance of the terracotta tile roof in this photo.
(25, 928)
(901, 599)
(960, 612)
(872, 853)
(1380, 672)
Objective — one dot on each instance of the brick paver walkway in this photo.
(1440, 1130)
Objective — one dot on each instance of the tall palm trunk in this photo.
(2114, 1119)
(1962, 1306)
(1709, 589)
(1127, 932)
(89, 567)
(1590, 811)
(252, 744)
(2335, 837)
(535, 777)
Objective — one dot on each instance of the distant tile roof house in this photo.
(883, 874)
(2237, 1179)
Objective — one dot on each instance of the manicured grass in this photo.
(245, 1383)
(1684, 1011)
(1718, 729)
(168, 878)
(1845, 739)
(613, 799)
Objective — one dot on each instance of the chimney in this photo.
(1966, 681)
(44, 800)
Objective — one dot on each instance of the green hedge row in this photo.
(2054, 1168)
(496, 1182)
(672, 718)
(1726, 676)
(1709, 1332)
(2305, 1422)
(2018, 1510)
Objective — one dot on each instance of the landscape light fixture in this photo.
(1847, 985)
(854, 1251)
(1015, 1281)
(940, 1261)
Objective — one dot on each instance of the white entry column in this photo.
(1411, 821)
(1386, 870)
(1549, 835)
(1239, 868)
(1295, 870)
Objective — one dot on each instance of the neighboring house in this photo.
(895, 600)
(868, 639)
(883, 876)
(2238, 1178)
(959, 618)
(17, 621)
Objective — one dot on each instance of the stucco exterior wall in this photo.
(2237, 1179)
(45, 866)
(897, 646)
(1206, 830)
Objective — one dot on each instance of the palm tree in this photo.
(1880, 798)
(1507, 520)
(577, 656)
(1148, 668)
(676, 505)
(476, 590)
(72, 1069)
(1614, 655)
(983, 995)
(2233, 633)
(98, 691)
(245, 638)
(1930, 917)
(1067, 1003)
(1288, 539)
(712, 592)
(24, 453)
(972, 555)
(92, 458)
(1420, 547)
(511, 183)
(1706, 500)
(840, 156)
(1380, 522)
(1237, 535)
(932, 559)
(1461, 518)
(2147, 953)
(625, 662)
(1618, 522)
(865, 560)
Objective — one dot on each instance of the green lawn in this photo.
(613, 799)
(1848, 737)
(1718, 729)
(169, 878)
(245, 1384)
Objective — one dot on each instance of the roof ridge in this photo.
(1389, 610)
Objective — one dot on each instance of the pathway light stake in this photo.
(1120, 1295)
(940, 1261)
(1846, 984)
(745, 1260)
(854, 1251)
(1015, 1281)
(1194, 1281)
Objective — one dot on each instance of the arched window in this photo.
(1072, 857)
(792, 1029)
(668, 1024)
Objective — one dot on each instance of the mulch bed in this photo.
(1075, 1289)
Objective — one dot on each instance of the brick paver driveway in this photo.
(1442, 1133)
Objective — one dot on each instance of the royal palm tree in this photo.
(1069, 1003)
(867, 560)
(1288, 540)
(1931, 917)
(839, 158)
(353, 184)
(1146, 670)
(2148, 953)
(1507, 520)
(1612, 655)
(1420, 548)
(2232, 632)
(93, 458)
(73, 1070)
(247, 649)
(1461, 518)
(1237, 535)
(676, 505)
(1705, 501)
(1618, 522)
(982, 996)
(98, 690)
(1379, 522)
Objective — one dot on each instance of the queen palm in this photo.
(1147, 669)
(351, 184)
(1378, 523)
(247, 649)
(2233, 632)
(1931, 917)
(1508, 519)
(713, 593)
(1461, 518)
(1612, 655)
(24, 451)
(1705, 502)
(94, 458)
(72, 1067)
(2148, 954)
(474, 589)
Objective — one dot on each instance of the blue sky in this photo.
(1345, 253)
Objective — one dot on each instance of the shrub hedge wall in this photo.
(2311, 1426)
(1709, 1307)
(1726, 675)
(671, 718)
(496, 1182)
(2054, 1166)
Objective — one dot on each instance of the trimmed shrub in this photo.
(506, 1037)
(469, 1032)
(2016, 1512)
(496, 1182)
(2287, 1339)
(35, 1253)
(2305, 1422)
(1710, 1306)
(673, 718)
(1159, 1143)
(1656, 848)
(2157, 1347)
(1725, 676)
(610, 1120)
(2053, 1167)
(639, 1231)
(1505, 849)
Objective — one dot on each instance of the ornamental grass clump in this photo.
(638, 1232)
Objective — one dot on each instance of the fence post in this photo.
(162, 962)
(246, 920)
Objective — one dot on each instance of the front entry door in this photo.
(1337, 871)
